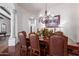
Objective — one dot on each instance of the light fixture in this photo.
(44, 19)
(49, 20)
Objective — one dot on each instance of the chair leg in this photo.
(30, 52)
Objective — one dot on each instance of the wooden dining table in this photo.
(41, 41)
(73, 49)
(44, 45)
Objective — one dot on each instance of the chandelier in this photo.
(48, 20)
(44, 19)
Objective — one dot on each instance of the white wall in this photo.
(77, 20)
(68, 19)
(23, 23)
(68, 23)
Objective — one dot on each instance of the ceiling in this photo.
(36, 7)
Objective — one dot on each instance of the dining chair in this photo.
(24, 33)
(59, 33)
(58, 45)
(4, 54)
(27, 39)
(35, 46)
(46, 39)
(23, 47)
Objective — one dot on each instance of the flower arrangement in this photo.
(45, 32)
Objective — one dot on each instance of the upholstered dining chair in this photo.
(23, 47)
(4, 54)
(24, 33)
(59, 33)
(58, 45)
(35, 46)
(46, 38)
(27, 39)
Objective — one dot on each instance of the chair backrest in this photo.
(24, 33)
(46, 38)
(22, 39)
(23, 43)
(4, 54)
(59, 33)
(34, 41)
(58, 45)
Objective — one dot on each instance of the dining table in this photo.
(73, 49)
(44, 45)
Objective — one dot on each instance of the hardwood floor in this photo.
(11, 51)
(3, 45)
(17, 51)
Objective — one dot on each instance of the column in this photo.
(11, 42)
(12, 35)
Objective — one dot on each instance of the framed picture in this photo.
(54, 22)
(57, 19)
